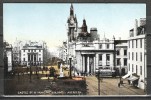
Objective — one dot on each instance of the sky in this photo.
(48, 21)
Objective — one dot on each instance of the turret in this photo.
(84, 26)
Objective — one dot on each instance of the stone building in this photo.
(121, 56)
(28, 52)
(9, 55)
(32, 54)
(94, 55)
(86, 50)
(137, 52)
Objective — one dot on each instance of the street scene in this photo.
(70, 49)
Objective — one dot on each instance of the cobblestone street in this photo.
(109, 86)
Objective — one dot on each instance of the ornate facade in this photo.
(87, 51)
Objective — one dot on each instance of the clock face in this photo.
(72, 21)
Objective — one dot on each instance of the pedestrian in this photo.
(118, 84)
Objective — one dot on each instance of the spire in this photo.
(84, 23)
(75, 18)
(71, 10)
(84, 26)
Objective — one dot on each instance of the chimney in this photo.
(142, 21)
(135, 27)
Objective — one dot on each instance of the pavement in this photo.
(109, 86)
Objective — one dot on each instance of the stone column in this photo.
(82, 63)
(83, 66)
(33, 57)
(88, 62)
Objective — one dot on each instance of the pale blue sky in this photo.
(48, 21)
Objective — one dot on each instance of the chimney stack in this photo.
(135, 27)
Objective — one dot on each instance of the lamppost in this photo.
(70, 67)
(114, 52)
(30, 72)
(120, 75)
(99, 81)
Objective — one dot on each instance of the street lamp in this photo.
(30, 72)
(70, 67)
(120, 75)
(99, 73)
(114, 52)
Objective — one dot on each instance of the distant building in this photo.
(63, 52)
(137, 52)
(32, 54)
(122, 56)
(9, 55)
(18, 45)
(28, 52)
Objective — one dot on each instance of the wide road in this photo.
(109, 86)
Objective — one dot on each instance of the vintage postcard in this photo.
(86, 49)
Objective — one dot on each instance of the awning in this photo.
(132, 78)
(127, 75)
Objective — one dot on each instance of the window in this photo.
(100, 57)
(24, 50)
(125, 52)
(136, 56)
(107, 46)
(129, 67)
(28, 50)
(140, 70)
(141, 56)
(132, 68)
(136, 43)
(125, 61)
(31, 57)
(31, 50)
(39, 59)
(28, 57)
(34, 57)
(24, 59)
(108, 57)
(136, 69)
(39, 50)
(118, 61)
(132, 56)
(132, 43)
(100, 46)
(129, 55)
(145, 43)
(118, 52)
(140, 43)
(129, 44)
(34, 50)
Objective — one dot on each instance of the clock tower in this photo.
(72, 25)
